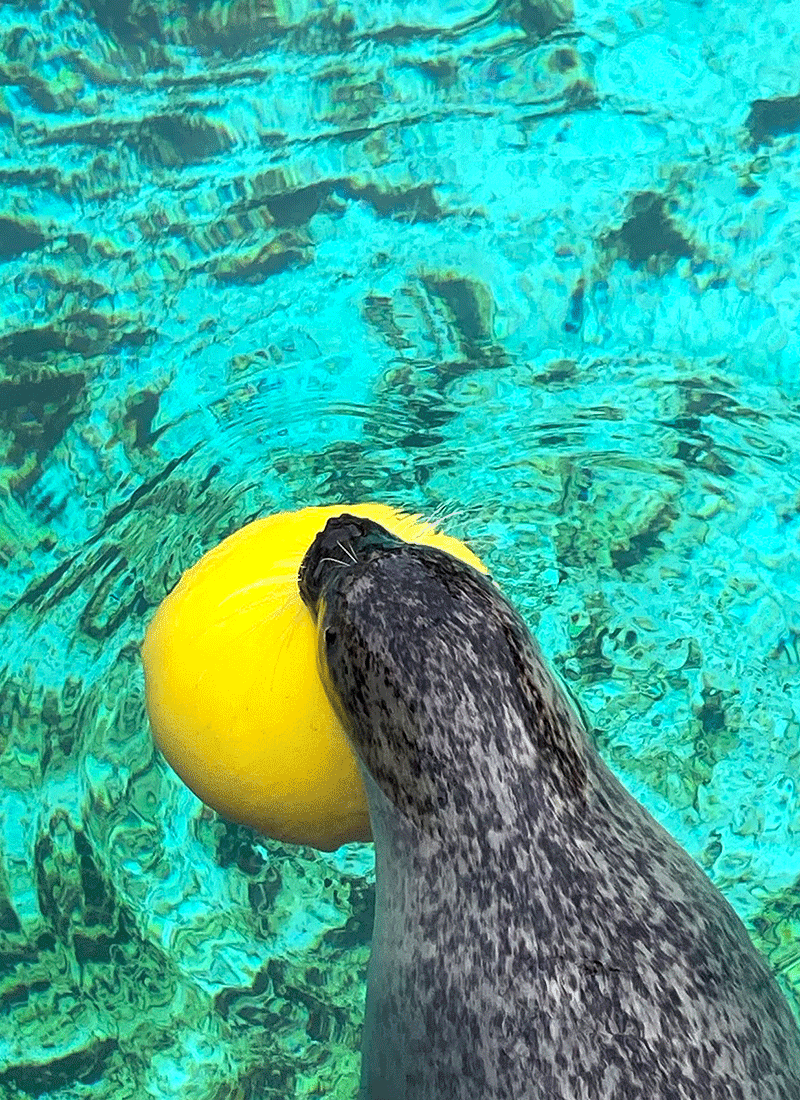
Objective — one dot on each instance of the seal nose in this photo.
(339, 545)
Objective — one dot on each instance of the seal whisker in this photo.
(348, 551)
(285, 639)
(276, 609)
(263, 582)
(409, 524)
(437, 516)
(442, 519)
(260, 626)
(289, 565)
(344, 564)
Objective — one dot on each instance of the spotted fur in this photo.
(538, 936)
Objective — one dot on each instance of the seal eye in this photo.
(330, 637)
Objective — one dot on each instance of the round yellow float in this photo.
(233, 693)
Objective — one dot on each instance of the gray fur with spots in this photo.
(538, 936)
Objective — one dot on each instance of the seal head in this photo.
(538, 936)
(392, 619)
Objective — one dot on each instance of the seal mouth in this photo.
(345, 541)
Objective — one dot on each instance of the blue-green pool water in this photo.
(530, 265)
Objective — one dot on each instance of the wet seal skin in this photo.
(538, 936)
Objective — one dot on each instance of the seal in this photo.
(538, 936)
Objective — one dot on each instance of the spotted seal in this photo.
(538, 936)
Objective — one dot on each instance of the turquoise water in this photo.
(530, 266)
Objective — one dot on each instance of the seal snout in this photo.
(339, 546)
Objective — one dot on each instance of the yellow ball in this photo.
(233, 692)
